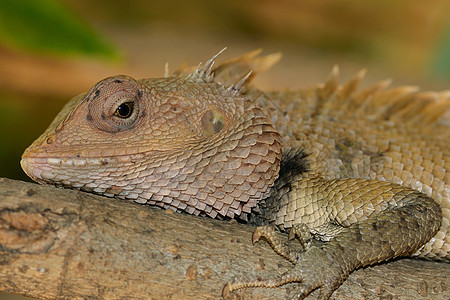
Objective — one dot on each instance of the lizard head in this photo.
(184, 142)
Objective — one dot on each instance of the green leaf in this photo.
(48, 27)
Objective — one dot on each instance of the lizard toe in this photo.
(266, 232)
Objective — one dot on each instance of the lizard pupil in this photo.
(124, 110)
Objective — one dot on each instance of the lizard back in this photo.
(397, 135)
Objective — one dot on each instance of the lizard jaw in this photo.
(42, 170)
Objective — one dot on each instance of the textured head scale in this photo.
(185, 142)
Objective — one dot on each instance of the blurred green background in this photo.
(52, 50)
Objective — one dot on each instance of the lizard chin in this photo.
(27, 167)
(37, 169)
(44, 170)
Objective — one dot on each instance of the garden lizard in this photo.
(366, 172)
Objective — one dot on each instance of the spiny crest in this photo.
(237, 87)
(352, 85)
(166, 70)
(205, 72)
(405, 104)
(238, 72)
(331, 85)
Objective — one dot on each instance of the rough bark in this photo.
(63, 244)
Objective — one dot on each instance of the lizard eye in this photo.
(115, 104)
(124, 110)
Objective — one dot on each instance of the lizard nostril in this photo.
(50, 140)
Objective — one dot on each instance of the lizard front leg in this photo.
(364, 221)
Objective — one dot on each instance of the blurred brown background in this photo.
(407, 40)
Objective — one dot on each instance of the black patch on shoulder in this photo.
(89, 117)
(139, 94)
(294, 162)
(118, 81)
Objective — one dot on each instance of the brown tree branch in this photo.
(63, 244)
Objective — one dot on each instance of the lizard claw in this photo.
(267, 232)
(227, 289)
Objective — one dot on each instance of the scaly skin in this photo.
(364, 182)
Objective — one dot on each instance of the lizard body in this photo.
(364, 179)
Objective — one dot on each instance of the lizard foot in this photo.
(315, 268)
(271, 236)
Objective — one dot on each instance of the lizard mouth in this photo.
(39, 169)
(46, 170)
(68, 173)
(36, 168)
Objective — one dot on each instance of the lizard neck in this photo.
(228, 177)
